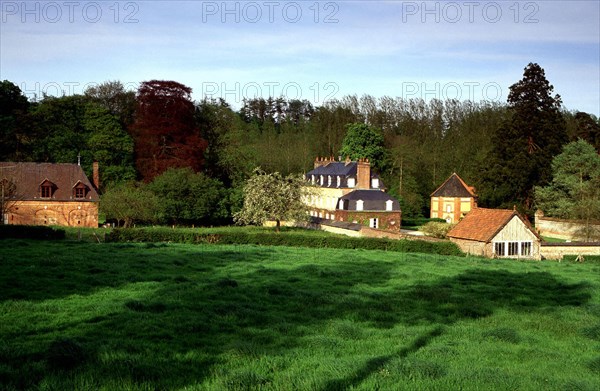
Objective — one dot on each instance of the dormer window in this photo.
(312, 179)
(339, 181)
(389, 205)
(80, 190)
(322, 180)
(47, 189)
(351, 182)
(360, 205)
(375, 183)
(329, 181)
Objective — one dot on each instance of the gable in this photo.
(515, 230)
(454, 186)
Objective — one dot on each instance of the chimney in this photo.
(95, 175)
(363, 174)
(318, 162)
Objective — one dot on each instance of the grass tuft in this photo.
(504, 334)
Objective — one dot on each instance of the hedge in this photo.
(291, 239)
(31, 232)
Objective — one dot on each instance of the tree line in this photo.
(160, 141)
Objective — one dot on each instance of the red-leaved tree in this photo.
(164, 131)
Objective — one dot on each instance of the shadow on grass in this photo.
(204, 309)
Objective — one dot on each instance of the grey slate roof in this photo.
(373, 200)
(454, 186)
(335, 169)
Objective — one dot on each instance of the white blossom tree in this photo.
(274, 197)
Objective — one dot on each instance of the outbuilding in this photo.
(496, 233)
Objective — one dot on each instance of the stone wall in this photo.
(69, 214)
(558, 250)
(565, 229)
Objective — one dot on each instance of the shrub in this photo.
(437, 229)
(31, 232)
(269, 238)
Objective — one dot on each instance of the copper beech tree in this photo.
(165, 132)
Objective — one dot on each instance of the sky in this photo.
(314, 50)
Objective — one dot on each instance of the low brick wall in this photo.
(564, 229)
(558, 250)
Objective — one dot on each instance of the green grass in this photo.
(552, 240)
(144, 316)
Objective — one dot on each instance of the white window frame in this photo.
(524, 248)
(375, 183)
(360, 205)
(389, 205)
(374, 222)
(328, 180)
(339, 181)
(351, 182)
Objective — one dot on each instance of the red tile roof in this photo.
(454, 186)
(483, 224)
(27, 177)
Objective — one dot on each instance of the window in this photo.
(360, 204)
(322, 180)
(351, 182)
(341, 205)
(80, 192)
(46, 191)
(513, 248)
(339, 181)
(526, 249)
(374, 222)
(448, 208)
(312, 179)
(389, 205)
(329, 180)
(499, 249)
(375, 183)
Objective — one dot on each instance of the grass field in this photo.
(88, 316)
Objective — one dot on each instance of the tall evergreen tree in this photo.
(524, 145)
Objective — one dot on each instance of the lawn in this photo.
(135, 316)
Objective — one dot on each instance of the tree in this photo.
(13, 106)
(190, 198)
(363, 141)
(575, 189)
(128, 203)
(274, 197)
(523, 147)
(113, 97)
(109, 144)
(165, 132)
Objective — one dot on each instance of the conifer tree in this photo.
(524, 145)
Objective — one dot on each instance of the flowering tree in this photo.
(274, 197)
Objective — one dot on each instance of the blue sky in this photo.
(315, 50)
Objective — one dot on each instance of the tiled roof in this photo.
(483, 224)
(27, 177)
(454, 186)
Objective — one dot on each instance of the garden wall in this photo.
(558, 250)
(564, 229)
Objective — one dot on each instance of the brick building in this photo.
(350, 191)
(452, 200)
(48, 194)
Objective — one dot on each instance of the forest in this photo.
(185, 161)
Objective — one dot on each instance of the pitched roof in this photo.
(454, 186)
(335, 168)
(483, 224)
(28, 177)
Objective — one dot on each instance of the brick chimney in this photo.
(363, 174)
(96, 175)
